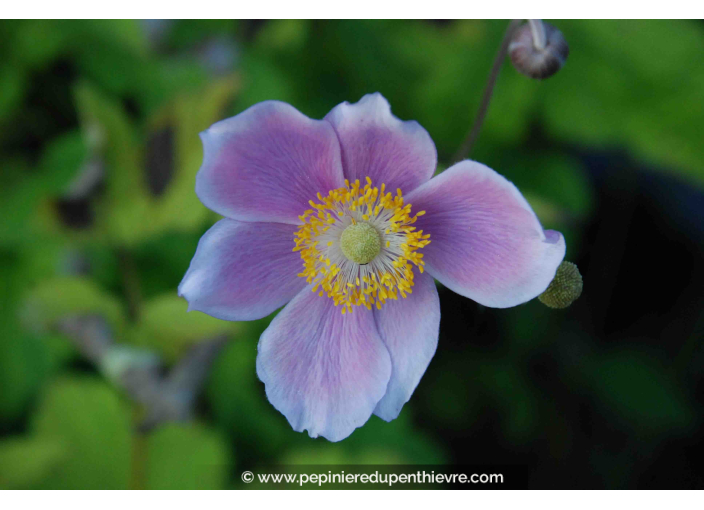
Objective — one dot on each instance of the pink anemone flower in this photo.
(339, 220)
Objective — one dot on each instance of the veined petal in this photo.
(323, 370)
(376, 144)
(266, 163)
(243, 271)
(409, 328)
(486, 242)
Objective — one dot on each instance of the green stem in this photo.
(130, 282)
(138, 453)
(473, 133)
(133, 295)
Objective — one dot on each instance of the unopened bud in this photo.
(565, 288)
(538, 49)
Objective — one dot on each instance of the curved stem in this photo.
(471, 137)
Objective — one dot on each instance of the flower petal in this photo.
(266, 163)
(376, 144)
(323, 370)
(409, 328)
(243, 271)
(485, 241)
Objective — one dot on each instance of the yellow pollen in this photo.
(358, 245)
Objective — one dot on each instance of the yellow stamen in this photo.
(366, 270)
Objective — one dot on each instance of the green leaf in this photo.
(318, 453)
(111, 53)
(22, 189)
(91, 424)
(377, 442)
(125, 205)
(26, 461)
(283, 35)
(172, 253)
(24, 366)
(262, 80)
(453, 409)
(19, 195)
(163, 80)
(26, 359)
(12, 89)
(396, 442)
(124, 33)
(186, 457)
(166, 326)
(453, 69)
(62, 160)
(634, 84)
(238, 400)
(510, 390)
(555, 183)
(639, 394)
(179, 208)
(185, 34)
(36, 42)
(59, 297)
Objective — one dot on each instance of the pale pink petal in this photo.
(486, 242)
(409, 328)
(323, 370)
(377, 145)
(266, 163)
(243, 271)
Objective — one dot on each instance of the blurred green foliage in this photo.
(99, 148)
(165, 326)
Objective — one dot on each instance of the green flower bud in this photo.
(565, 288)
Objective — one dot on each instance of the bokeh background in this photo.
(106, 382)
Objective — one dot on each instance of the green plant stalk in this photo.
(138, 446)
(466, 147)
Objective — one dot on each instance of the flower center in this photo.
(358, 245)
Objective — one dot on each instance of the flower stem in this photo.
(138, 453)
(471, 137)
(130, 282)
(133, 295)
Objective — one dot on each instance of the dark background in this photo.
(98, 153)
